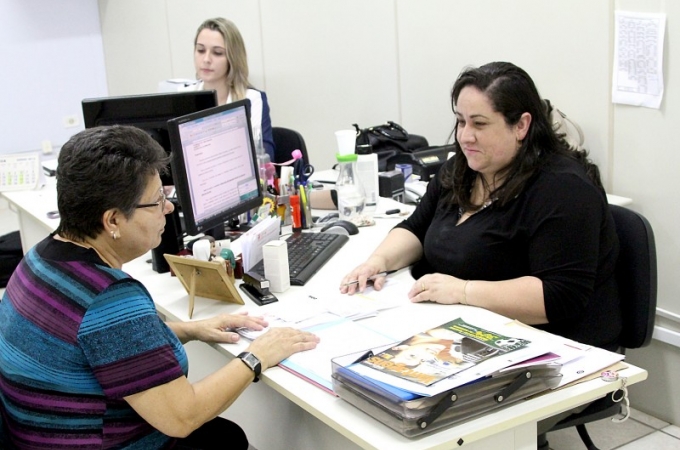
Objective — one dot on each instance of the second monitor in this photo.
(215, 166)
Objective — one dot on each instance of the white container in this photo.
(276, 270)
(346, 141)
(367, 171)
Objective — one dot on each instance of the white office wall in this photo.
(330, 64)
(563, 45)
(646, 167)
(51, 59)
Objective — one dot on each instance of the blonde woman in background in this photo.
(221, 64)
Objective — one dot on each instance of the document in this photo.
(304, 313)
(578, 360)
(638, 59)
(336, 339)
(254, 239)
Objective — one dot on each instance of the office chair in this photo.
(637, 282)
(285, 141)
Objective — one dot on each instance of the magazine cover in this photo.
(442, 351)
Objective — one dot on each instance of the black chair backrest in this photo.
(285, 141)
(636, 276)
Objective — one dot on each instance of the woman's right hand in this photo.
(279, 343)
(357, 279)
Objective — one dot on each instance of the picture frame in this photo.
(204, 279)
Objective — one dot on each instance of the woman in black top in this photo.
(516, 222)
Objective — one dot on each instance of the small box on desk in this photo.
(391, 185)
(426, 162)
(275, 256)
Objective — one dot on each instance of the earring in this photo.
(114, 235)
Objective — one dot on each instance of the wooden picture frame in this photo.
(203, 278)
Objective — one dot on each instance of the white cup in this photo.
(347, 141)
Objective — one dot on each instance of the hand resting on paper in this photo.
(217, 329)
(279, 343)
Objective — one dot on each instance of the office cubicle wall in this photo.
(326, 64)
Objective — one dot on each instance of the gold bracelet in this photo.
(464, 302)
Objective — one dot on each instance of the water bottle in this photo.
(351, 196)
(262, 157)
(367, 171)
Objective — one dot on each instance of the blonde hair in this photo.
(237, 60)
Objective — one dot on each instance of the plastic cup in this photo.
(347, 141)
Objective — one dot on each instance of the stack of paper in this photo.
(252, 241)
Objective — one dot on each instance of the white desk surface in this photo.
(513, 427)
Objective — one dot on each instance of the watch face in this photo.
(251, 360)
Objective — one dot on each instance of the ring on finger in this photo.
(422, 287)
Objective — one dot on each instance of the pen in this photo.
(372, 277)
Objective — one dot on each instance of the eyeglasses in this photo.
(160, 202)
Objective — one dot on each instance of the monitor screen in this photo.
(215, 167)
(149, 112)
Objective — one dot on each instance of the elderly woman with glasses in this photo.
(85, 361)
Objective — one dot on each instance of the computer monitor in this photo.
(215, 167)
(150, 112)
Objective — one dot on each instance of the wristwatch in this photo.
(253, 364)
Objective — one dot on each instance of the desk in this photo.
(31, 208)
(284, 411)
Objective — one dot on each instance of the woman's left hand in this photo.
(437, 288)
(218, 328)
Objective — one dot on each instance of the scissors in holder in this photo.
(303, 171)
(306, 171)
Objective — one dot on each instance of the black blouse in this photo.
(559, 230)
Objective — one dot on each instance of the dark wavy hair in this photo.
(100, 169)
(511, 92)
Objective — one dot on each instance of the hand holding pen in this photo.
(359, 278)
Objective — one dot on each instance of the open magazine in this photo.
(441, 352)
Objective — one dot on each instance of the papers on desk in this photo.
(332, 317)
(336, 338)
(315, 309)
(578, 360)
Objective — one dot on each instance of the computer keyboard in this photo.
(307, 253)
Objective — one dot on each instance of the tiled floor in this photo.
(640, 432)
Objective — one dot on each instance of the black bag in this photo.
(10, 255)
(388, 140)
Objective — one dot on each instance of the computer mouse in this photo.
(338, 225)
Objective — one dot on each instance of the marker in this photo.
(392, 211)
(372, 277)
